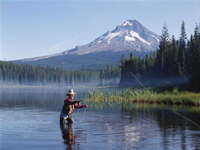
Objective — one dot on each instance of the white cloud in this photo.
(66, 45)
(62, 46)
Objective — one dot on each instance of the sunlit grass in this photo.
(146, 96)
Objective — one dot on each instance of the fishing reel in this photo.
(79, 102)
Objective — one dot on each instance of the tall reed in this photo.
(174, 97)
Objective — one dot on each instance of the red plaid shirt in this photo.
(68, 103)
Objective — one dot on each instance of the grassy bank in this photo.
(174, 97)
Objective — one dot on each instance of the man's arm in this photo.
(71, 102)
(79, 106)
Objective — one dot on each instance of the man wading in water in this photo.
(69, 105)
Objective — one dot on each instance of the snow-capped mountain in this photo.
(106, 50)
(130, 36)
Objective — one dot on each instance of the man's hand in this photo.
(79, 102)
(85, 106)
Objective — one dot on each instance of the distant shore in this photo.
(24, 86)
(54, 86)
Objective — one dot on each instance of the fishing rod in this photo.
(161, 101)
(84, 100)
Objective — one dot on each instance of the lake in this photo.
(29, 119)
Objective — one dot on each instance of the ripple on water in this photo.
(114, 129)
(36, 128)
(26, 123)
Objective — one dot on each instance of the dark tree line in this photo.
(173, 62)
(29, 75)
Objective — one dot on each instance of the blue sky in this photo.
(36, 28)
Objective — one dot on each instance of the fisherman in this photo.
(69, 105)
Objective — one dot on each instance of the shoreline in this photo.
(142, 96)
(55, 86)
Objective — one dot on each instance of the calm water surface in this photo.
(29, 119)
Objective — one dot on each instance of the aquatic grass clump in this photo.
(180, 98)
(174, 97)
(129, 106)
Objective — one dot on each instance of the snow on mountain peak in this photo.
(134, 34)
(128, 38)
(112, 35)
(127, 23)
(131, 36)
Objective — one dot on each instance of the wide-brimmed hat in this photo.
(70, 92)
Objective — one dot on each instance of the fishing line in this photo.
(87, 105)
(83, 113)
(162, 102)
(84, 110)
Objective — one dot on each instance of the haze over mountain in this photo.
(107, 49)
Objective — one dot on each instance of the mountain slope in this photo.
(131, 36)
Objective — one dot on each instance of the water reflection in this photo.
(106, 125)
(174, 128)
(67, 135)
(42, 97)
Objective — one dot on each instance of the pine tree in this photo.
(182, 48)
(183, 35)
(195, 62)
(174, 65)
(162, 52)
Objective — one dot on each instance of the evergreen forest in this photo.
(175, 63)
(23, 74)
